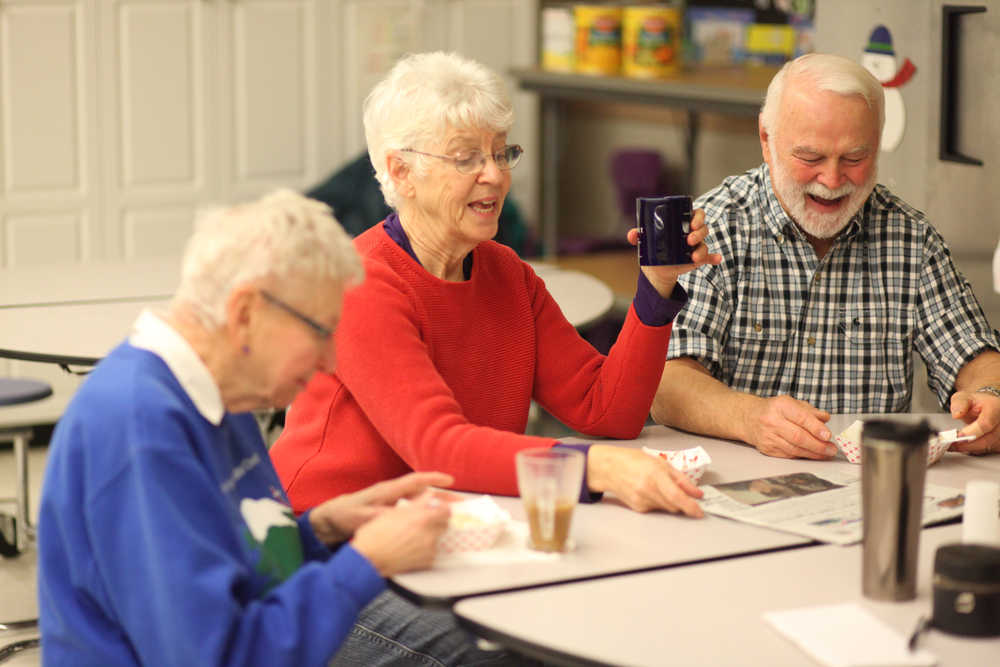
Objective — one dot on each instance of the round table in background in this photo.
(582, 298)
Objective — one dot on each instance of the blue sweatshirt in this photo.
(165, 537)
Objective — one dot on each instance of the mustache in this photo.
(821, 190)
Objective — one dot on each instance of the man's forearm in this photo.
(982, 371)
(691, 399)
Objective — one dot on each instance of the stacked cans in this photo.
(612, 39)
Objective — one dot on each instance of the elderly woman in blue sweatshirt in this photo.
(164, 535)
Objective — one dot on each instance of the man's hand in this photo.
(338, 519)
(404, 538)
(641, 481)
(664, 278)
(788, 428)
(981, 413)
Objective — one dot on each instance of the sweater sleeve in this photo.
(607, 396)
(178, 580)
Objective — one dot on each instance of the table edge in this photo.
(48, 358)
(448, 601)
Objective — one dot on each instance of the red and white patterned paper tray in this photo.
(849, 442)
(475, 525)
(691, 461)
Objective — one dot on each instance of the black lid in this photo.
(968, 562)
(894, 431)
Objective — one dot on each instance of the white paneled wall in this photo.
(48, 133)
(272, 72)
(119, 119)
(155, 73)
(498, 33)
(495, 32)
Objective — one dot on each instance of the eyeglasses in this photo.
(473, 163)
(322, 331)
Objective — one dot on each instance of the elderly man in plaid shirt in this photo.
(828, 284)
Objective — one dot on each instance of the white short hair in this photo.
(280, 237)
(421, 98)
(826, 72)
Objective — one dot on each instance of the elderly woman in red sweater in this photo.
(451, 336)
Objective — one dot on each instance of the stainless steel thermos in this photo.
(893, 468)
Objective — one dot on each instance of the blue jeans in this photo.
(394, 631)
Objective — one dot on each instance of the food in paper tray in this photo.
(475, 525)
(849, 442)
(691, 461)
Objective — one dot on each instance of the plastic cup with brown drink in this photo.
(549, 481)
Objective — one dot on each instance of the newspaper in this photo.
(826, 508)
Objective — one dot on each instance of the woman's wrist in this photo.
(588, 494)
(324, 528)
(653, 309)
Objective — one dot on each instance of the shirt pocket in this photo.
(877, 355)
(760, 338)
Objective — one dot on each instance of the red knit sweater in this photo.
(438, 375)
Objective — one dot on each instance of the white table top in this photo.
(77, 314)
(733, 461)
(88, 283)
(610, 539)
(73, 333)
(658, 540)
(707, 614)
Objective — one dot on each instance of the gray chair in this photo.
(17, 531)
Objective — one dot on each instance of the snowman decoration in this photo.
(880, 60)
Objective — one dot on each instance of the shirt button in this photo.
(757, 327)
(811, 340)
(779, 238)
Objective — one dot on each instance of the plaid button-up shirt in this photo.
(839, 332)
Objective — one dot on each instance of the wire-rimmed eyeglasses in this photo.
(321, 331)
(505, 159)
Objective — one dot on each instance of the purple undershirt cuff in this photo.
(586, 495)
(653, 310)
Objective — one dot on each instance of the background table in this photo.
(583, 298)
(708, 614)
(88, 283)
(69, 333)
(76, 315)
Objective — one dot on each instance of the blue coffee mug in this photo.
(664, 224)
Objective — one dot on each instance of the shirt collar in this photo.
(151, 332)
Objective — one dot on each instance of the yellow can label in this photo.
(598, 39)
(651, 38)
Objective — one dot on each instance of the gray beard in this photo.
(819, 225)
